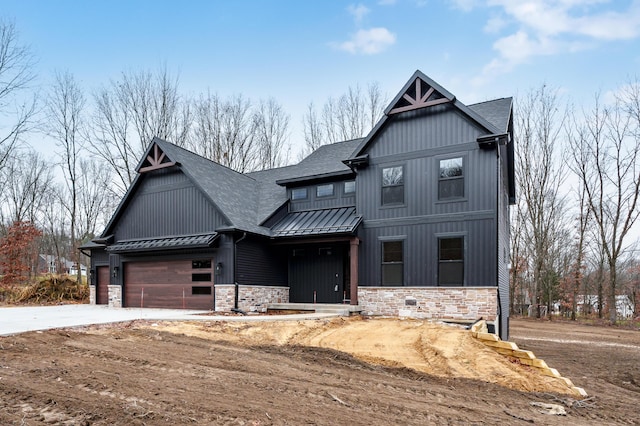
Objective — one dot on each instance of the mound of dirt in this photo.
(434, 348)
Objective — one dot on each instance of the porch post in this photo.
(354, 269)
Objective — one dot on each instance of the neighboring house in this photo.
(588, 304)
(50, 264)
(411, 220)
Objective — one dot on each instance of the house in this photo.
(50, 264)
(411, 220)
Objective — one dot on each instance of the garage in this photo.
(176, 284)
(102, 285)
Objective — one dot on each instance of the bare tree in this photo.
(350, 116)
(16, 73)
(225, 131)
(95, 201)
(605, 149)
(27, 177)
(539, 176)
(129, 113)
(65, 107)
(582, 224)
(272, 131)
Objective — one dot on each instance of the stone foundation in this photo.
(92, 294)
(224, 297)
(255, 298)
(115, 296)
(251, 298)
(453, 303)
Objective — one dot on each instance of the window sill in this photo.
(393, 206)
(452, 200)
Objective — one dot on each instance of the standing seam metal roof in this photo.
(318, 222)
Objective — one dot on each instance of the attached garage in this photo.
(178, 284)
(102, 285)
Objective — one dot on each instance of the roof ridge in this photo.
(205, 158)
(491, 100)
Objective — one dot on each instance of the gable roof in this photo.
(424, 99)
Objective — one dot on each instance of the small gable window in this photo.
(350, 187)
(393, 185)
(451, 261)
(451, 179)
(324, 190)
(299, 194)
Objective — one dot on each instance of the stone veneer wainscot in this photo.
(251, 298)
(455, 303)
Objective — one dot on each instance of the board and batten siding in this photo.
(260, 264)
(503, 246)
(420, 246)
(418, 140)
(167, 204)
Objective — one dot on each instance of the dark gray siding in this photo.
(260, 264)
(339, 199)
(99, 257)
(421, 252)
(418, 140)
(503, 245)
(167, 203)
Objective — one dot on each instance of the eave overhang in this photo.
(182, 242)
(323, 177)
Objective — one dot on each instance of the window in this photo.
(393, 185)
(201, 264)
(200, 290)
(324, 190)
(451, 179)
(350, 187)
(392, 263)
(201, 277)
(299, 194)
(451, 261)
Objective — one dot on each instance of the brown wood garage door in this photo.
(102, 285)
(173, 284)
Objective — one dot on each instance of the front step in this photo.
(324, 308)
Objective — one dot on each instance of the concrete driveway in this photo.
(15, 320)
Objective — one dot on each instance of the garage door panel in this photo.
(166, 285)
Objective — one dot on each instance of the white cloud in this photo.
(358, 11)
(368, 42)
(550, 27)
(465, 5)
(495, 24)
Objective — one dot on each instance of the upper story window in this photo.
(451, 179)
(392, 263)
(350, 187)
(451, 261)
(324, 190)
(393, 185)
(299, 194)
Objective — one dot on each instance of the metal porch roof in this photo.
(165, 243)
(318, 222)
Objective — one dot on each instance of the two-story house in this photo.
(411, 220)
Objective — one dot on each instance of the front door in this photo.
(316, 271)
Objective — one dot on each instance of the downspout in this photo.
(498, 194)
(235, 268)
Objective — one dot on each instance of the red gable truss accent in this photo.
(418, 97)
(156, 160)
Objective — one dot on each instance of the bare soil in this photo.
(353, 372)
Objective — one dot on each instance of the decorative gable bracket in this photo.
(155, 160)
(418, 95)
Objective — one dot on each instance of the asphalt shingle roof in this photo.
(496, 112)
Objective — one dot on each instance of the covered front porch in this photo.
(322, 255)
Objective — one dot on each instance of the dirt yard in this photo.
(355, 372)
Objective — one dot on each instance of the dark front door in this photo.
(102, 285)
(316, 271)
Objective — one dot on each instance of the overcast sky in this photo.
(304, 50)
